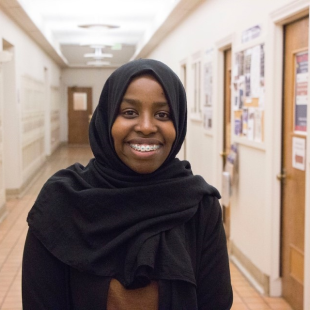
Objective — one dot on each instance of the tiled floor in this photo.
(247, 298)
(14, 227)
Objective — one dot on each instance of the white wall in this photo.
(2, 187)
(94, 78)
(28, 64)
(254, 228)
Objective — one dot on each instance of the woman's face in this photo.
(143, 131)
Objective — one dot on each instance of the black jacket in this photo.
(49, 284)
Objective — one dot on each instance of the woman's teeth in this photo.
(144, 147)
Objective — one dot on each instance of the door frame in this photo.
(221, 46)
(89, 90)
(274, 78)
(184, 64)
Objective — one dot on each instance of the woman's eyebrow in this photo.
(131, 101)
(159, 104)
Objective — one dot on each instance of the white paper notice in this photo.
(299, 153)
(226, 189)
(207, 118)
(79, 101)
(251, 119)
(208, 84)
(258, 125)
(255, 71)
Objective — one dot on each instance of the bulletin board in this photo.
(301, 92)
(208, 96)
(249, 93)
(207, 107)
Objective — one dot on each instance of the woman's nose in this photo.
(146, 124)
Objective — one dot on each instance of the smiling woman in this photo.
(134, 229)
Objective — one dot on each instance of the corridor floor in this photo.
(13, 231)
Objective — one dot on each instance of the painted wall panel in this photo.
(26, 106)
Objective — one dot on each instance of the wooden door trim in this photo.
(221, 45)
(70, 91)
(292, 219)
(273, 125)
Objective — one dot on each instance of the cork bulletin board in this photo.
(249, 93)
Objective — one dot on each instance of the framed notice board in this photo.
(249, 93)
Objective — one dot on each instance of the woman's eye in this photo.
(163, 115)
(129, 113)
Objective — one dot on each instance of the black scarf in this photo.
(111, 221)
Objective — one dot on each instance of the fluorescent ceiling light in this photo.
(98, 56)
(98, 45)
(98, 25)
(98, 63)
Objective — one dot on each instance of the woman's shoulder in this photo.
(209, 211)
(69, 174)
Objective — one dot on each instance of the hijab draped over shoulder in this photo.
(108, 220)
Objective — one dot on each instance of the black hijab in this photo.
(108, 220)
(110, 99)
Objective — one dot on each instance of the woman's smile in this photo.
(144, 147)
(143, 131)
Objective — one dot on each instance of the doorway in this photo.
(294, 129)
(79, 113)
(226, 128)
(182, 153)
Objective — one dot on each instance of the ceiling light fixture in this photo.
(94, 44)
(98, 46)
(98, 63)
(98, 25)
(98, 54)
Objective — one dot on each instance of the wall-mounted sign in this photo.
(208, 90)
(79, 101)
(299, 153)
(208, 84)
(301, 92)
(251, 33)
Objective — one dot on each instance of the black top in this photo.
(50, 284)
(106, 221)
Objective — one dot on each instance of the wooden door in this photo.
(227, 128)
(79, 112)
(293, 157)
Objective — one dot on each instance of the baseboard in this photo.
(255, 276)
(3, 212)
(18, 192)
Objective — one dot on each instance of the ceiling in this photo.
(112, 33)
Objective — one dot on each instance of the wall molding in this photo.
(290, 12)
(255, 276)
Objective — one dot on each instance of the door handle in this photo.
(223, 154)
(281, 176)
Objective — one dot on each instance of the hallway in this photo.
(13, 230)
